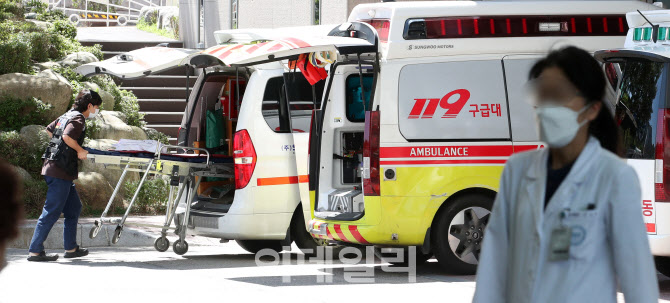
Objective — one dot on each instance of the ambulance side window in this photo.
(275, 117)
(300, 95)
(355, 107)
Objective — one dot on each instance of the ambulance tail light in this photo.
(515, 26)
(661, 171)
(244, 155)
(371, 170)
(382, 26)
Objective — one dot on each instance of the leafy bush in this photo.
(15, 56)
(17, 113)
(17, 152)
(158, 136)
(65, 28)
(33, 198)
(152, 197)
(153, 28)
(11, 10)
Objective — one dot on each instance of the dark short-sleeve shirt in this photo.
(74, 130)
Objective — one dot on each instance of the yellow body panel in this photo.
(405, 210)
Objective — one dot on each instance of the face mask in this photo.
(94, 114)
(558, 124)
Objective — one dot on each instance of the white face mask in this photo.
(94, 114)
(558, 125)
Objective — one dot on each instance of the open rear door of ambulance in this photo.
(347, 39)
(138, 63)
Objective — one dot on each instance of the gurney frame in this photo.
(189, 176)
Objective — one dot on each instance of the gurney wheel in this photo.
(117, 235)
(180, 247)
(94, 232)
(162, 244)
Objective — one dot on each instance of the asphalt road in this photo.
(224, 272)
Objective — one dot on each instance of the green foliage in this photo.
(11, 10)
(131, 108)
(153, 28)
(17, 113)
(92, 128)
(152, 197)
(34, 196)
(15, 56)
(65, 28)
(18, 153)
(158, 136)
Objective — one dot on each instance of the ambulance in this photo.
(408, 144)
(638, 73)
(258, 114)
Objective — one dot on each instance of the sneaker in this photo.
(79, 252)
(43, 257)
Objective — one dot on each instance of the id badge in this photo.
(560, 244)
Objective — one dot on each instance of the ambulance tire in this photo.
(447, 258)
(254, 246)
(302, 238)
(663, 265)
(386, 255)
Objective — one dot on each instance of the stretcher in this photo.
(186, 167)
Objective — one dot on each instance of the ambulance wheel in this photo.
(458, 232)
(302, 238)
(254, 246)
(663, 265)
(162, 244)
(117, 235)
(391, 255)
(180, 247)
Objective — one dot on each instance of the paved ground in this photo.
(118, 33)
(217, 273)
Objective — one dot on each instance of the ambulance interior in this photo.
(213, 120)
(343, 186)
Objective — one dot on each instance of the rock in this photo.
(50, 74)
(108, 101)
(30, 16)
(113, 127)
(35, 136)
(40, 24)
(54, 92)
(79, 58)
(165, 14)
(91, 86)
(47, 65)
(111, 175)
(94, 190)
(118, 115)
(107, 98)
(23, 174)
(147, 12)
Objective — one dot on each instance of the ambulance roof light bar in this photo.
(514, 26)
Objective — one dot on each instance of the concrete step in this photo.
(163, 117)
(160, 81)
(158, 92)
(171, 130)
(164, 105)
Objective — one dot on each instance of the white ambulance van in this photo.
(639, 75)
(408, 145)
(258, 115)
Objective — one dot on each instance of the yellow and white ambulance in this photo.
(638, 73)
(408, 144)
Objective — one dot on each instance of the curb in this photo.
(130, 237)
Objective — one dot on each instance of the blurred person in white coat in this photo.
(566, 225)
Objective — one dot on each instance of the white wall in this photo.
(275, 13)
(334, 11)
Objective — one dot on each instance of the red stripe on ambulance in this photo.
(340, 234)
(357, 235)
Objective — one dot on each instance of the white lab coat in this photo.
(609, 244)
